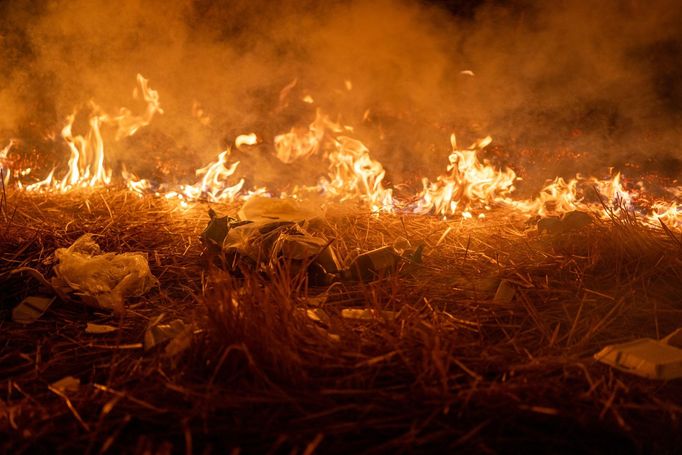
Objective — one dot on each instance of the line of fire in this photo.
(347, 226)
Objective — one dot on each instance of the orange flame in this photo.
(86, 166)
(301, 143)
(559, 196)
(468, 181)
(469, 184)
(354, 173)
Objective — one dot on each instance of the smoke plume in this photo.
(599, 78)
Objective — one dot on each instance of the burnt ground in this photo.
(454, 369)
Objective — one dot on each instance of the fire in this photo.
(469, 187)
(86, 167)
(127, 123)
(246, 139)
(468, 181)
(557, 197)
(86, 164)
(214, 185)
(301, 143)
(354, 173)
(670, 213)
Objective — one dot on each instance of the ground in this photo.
(453, 369)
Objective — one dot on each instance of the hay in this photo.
(452, 369)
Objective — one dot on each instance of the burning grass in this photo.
(437, 364)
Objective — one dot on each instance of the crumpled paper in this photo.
(107, 277)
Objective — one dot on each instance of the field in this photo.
(437, 364)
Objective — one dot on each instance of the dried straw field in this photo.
(437, 364)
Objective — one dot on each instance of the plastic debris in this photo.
(217, 229)
(265, 244)
(505, 292)
(157, 333)
(316, 301)
(401, 245)
(279, 235)
(317, 315)
(99, 329)
(260, 208)
(645, 357)
(373, 264)
(31, 309)
(417, 256)
(66, 384)
(106, 278)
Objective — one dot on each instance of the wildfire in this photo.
(468, 181)
(669, 213)
(214, 185)
(469, 187)
(87, 164)
(354, 173)
(558, 196)
(302, 143)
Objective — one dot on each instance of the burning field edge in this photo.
(440, 364)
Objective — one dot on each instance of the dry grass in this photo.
(453, 370)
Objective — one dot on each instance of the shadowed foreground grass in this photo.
(438, 364)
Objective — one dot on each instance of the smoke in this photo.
(602, 78)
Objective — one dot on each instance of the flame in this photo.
(246, 139)
(468, 181)
(558, 196)
(614, 193)
(213, 185)
(86, 166)
(669, 213)
(469, 186)
(301, 143)
(127, 123)
(354, 173)
(43, 184)
(134, 184)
